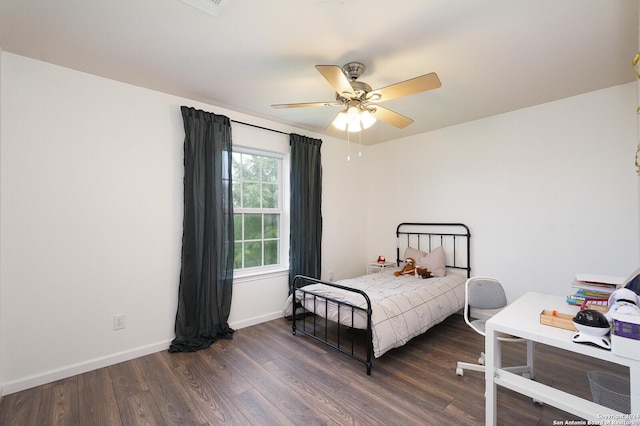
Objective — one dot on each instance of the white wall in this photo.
(91, 220)
(547, 191)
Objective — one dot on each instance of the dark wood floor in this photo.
(267, 376)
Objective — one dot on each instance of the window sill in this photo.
(248, 276)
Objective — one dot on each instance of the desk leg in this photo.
(531, 357)
(493, 358)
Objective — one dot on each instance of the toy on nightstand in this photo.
(408, 269)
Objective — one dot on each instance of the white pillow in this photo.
(413, 253)
(434, 262)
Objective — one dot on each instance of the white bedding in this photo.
(402, 307)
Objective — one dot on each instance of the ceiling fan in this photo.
(360, 101)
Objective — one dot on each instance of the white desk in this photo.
(522, 318)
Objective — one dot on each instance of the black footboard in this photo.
(346, 314)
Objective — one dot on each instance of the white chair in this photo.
(485, 297)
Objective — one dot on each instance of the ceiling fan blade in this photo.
(408, 87)
(336, 78)
(390, 117)
(305, 105)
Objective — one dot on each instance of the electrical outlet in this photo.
(118, 322)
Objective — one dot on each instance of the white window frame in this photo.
(283, 192)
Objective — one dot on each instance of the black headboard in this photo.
(455, 238)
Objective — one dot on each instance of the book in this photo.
(598, 283)
(598, 287)
(579, 298)
(592, 294)
(601, 279)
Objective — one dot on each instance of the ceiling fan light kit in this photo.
(353, 119)
(367, 119)
(358, 98)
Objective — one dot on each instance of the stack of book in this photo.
(593, 290)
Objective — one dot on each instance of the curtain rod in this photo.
(260, 127)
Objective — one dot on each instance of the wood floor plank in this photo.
(214, 365)
(320, 393)
(21, 408)
(127, 378)
(275, 391)
(176, 407)
(436, 379)
(140, 409)
(96, 399)
(60, 402)
(465, 411)
(259, 410)
(214, 404)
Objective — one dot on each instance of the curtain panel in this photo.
(206, 276)
(306, 207)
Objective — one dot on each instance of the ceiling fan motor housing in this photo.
(353, 70)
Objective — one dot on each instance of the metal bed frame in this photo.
(422, 236)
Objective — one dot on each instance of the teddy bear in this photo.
(423, 272)
(408, 269)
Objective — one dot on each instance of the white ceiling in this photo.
(492, 56)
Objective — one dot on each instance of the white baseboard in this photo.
(83, 367)
(256, 320)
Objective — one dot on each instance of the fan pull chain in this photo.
(360, 144)
(348, 146)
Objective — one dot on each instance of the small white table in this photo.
(522, 318)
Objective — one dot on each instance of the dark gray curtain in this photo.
(206, 276)
(306, 207)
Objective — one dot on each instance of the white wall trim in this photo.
(240, 278)
(73, 370)
(256, 320)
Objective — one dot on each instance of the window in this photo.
(258, 193)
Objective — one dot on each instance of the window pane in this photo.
(271, 225)
(269, 195)
(271, 250)
(252, 226)
(252, 254)
(269, 169)
(237, 226)
(237, 256)
(237, 194)
(236, 165)
(250, 167)
(251, 195)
